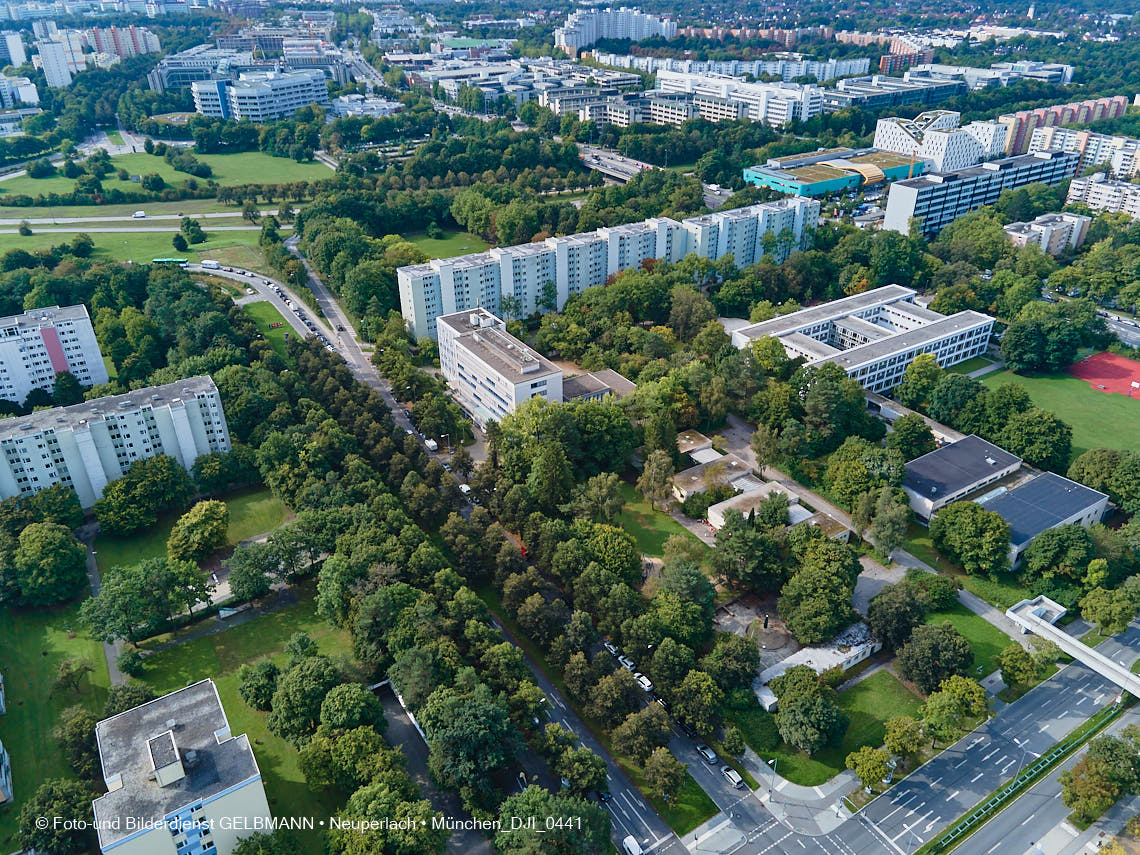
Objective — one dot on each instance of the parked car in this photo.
(643, 681)
(732, 776)
(685, 729)
(250, 291)
(626, 663)
(611, 648)
(707, 753)
(139, 215)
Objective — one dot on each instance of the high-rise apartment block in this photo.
(89, 445)
(38, 344)
(537, 277)
(12, 50)
(122, 41)
(1101, 193)
(1120, 154)
(1023, 123)
(773, 103)
(935, 136)
(260, 96)
(178, 781)
(874, 336)
(584, 28)
(1053, 233)
(937, 199)
(895, 63)
(54, 58)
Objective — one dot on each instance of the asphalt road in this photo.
(141, 221)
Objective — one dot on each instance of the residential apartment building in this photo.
(896, 63)
(1023, 123)
(877, 91)
(15, 91)
(89, 445)
(787, 69)
(176, 770)
(490, 371)
(1053, 233)
(53, 59)
(260, 96)
(1101, 193)
(12, 50)
(934, 136)
(539, 277)
(937, 199)
(122, 41)
(40, 343)
(773, 103)
(874, 336)
(585, 27)
(1120, 154)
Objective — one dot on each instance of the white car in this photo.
(626, 663)
(644, 682)
(250, 291)
(139, 215)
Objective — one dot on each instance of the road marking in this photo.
(1027, 820)
(952, 795)
(875, 829)
(975, 778)
(1082, 700)
(988, 756)
(960, 762)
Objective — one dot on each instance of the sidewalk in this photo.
(810, 810)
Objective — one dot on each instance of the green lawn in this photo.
(33, 644)
(139, 247)
(219, 656)
(649, 527)
(453, 242)
(189, 207)
(264, 314)
(247, 257)
(115, 137)
(986, 640)
(251, 167)
(971, 364)
(1003, 592)
(1097, 419)
(251, 512)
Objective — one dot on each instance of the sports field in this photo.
(1098, 419)
(1109, 373)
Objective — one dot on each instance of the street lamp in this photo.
(1024, 753)
(447, 436)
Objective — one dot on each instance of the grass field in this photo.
(452, 243)
(252, 167)
(649, 527)
(139, 247)
(245, 256)
(985, 639)
(33, 644)
(251, 512)
(189, 207)
(1002, 592)
(971, 364)
(219, 656)
(264, 314)
(115, 137)
(1097, 419)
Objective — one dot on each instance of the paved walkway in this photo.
(989, 369)
(111, 652)
(810, 810)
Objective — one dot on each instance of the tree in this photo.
(941, 718)
(934, 652)
(968, 694)
(869, 765)
(49, 565)
(733, 741)
(75, 734)
(746, 557)
(664, 774)
(141, 599)
(349, 706)
(179, 242)
(972, 537)
(698, 701)
(253, 568)
(589, 836)
(816, 603)
(1040, 438)
(1111, 611)
(919, 381)
(893, 615)
(903, 736)
(279, 842)
(614, 697)
(641, 732)
(733, 662)
(126, 696)
(67, 390)
(257, 683)
(889, 525)
(911, 436)
(296, 704)
(470, 735)
(1110, 768)
(810, 721)
(1018, 669)
(550, 479)
(582, 769)
(598, 500)
(70, 674)
(656, 480)
(68, 800)
(250, 212)
(199, 531)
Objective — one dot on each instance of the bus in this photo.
(169, 262)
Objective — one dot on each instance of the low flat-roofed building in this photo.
(689, 441)
(832, 171)
(953, 471)
(489, 370)
(832, 528)
(173, 766)
(596, 385)
(747, 502)
(849, 647)
(725, 469)
(1042, 503)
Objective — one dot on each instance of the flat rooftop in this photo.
(689, 441)
(45, 316)
(956, 467)
(990, 168)
(185, 724)
(875, 350)
(1040, 504)
(79, 415)
(827, 311)
(496, 347)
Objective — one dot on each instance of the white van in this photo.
(139, 215)
(210, 264)
(630, 845)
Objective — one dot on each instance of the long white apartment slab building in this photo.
(1101, 193)
(40, 343)
(935, 136)
(89, 445)
(585, 27)
(874, 336)
(489, 370)
(773, 103)
(787, 67)
(1119, 153)
(540, 277)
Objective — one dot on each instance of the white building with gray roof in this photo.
(40, 343)
(178, 780)
(89, 445)
(874, 336)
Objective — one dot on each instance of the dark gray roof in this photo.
(955, 467)
(1040, 504)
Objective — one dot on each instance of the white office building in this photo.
(935, 136)
(874, 336)
(1101, 193)
(176, 771)
(937, 199)
(541, 277)
(260, 96)
(1121, 155)
(89, 445)
(584, 28)
(773, 103)
(38, 344)
(490, 371)
(1053, 233)
(54, 61)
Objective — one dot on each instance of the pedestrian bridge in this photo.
(1039, 616)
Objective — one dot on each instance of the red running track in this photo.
(1107, 372)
